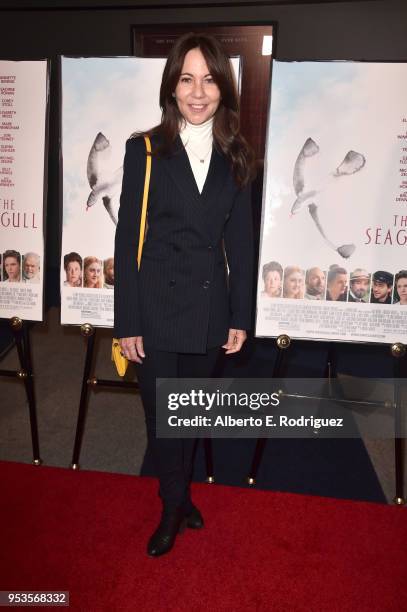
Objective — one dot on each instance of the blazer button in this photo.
(210, 247)
(206, 284)
(172, 283)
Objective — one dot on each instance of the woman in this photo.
(173, 315)
(272, 278)
(92, 273)
(12, 267)
(73, 270)
(293, 283)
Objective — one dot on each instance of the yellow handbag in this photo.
(119, 359)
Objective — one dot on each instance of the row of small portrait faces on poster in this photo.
(90, 271)
(335, 284)
(18, 268)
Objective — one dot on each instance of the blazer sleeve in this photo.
(127, 316)
(239, 247)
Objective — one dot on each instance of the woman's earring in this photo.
(173, 94)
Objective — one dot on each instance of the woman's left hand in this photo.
(235, 341)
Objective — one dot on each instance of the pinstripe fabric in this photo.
(179, 300)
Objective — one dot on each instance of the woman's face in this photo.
(12, 267)
(402, 290)
(92, 274)
(73, 273)
(197, 94)
(272, 284)
(293, 285)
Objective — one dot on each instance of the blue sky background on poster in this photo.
(342, 106)
(109, 95)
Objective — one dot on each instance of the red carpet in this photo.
(86, 532)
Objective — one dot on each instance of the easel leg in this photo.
(21, 335)
(399, 457)
(330, 370)
(330, 375)
(398, 351)
(89, 332)
(29, 387)
(283, 342)
(209, 460)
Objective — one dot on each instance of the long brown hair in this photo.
(226, 124)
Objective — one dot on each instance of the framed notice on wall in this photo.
(23, 153)
(333, 255)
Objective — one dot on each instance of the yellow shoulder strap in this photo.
(145, 200)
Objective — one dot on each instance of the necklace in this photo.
(199, 157)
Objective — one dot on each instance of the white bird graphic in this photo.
(105, 184)
(303, 179)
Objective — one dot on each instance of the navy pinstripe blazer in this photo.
(181, 299)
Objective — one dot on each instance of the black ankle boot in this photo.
(194, 519)
(164, 536)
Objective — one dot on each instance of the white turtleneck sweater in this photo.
(198, 140)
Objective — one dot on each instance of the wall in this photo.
(362, 30)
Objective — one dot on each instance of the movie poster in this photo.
(333, 255)
(104, 100)
(23, 124)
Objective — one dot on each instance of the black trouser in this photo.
(173, 457)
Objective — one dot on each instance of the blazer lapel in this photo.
(217, 175)
(180, 170)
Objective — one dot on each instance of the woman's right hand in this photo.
(132, 348)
